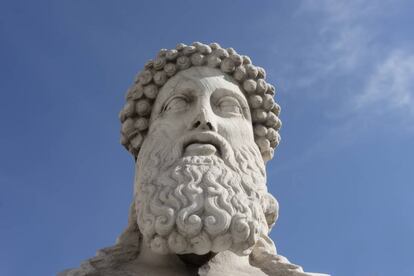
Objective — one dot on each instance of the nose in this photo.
(204, 121)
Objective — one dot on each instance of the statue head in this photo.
(201, 123)
(264, 112)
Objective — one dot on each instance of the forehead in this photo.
(202, 79)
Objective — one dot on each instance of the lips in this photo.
(197, 148)
(202, 143)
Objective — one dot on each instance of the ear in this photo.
(271, 209)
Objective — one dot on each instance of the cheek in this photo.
(166, 129)
(237, 131)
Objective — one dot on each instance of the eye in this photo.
(229, 105)
(176, 104)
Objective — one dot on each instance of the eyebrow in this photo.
(165, 96)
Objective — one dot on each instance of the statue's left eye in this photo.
(229, 105)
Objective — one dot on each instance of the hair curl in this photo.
(141, 95)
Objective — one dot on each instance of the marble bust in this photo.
(201, 122)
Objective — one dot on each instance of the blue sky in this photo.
(343, 174)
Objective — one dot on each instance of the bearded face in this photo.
(200, 182)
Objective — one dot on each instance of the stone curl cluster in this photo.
(141, 95)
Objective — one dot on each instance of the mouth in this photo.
(196, 148)
(203, 143)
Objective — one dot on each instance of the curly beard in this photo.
(201, 204)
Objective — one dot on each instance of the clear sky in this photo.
(343, 174)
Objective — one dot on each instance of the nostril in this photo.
(210, 126)
(196, 124)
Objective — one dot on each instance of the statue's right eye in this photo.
(176, 104)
